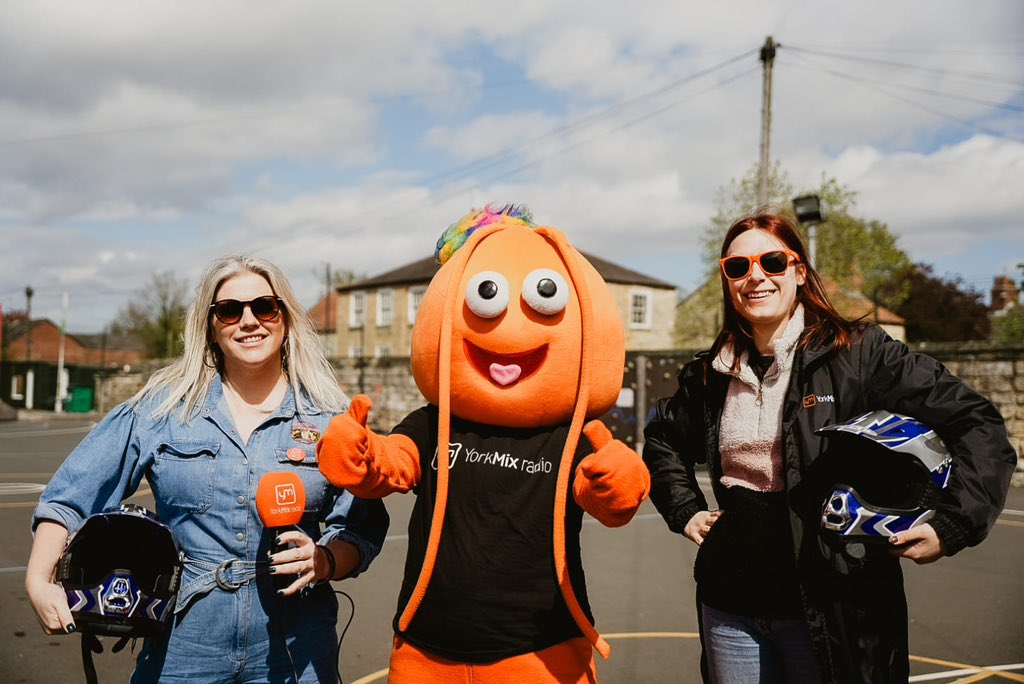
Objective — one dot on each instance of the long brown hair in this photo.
(824, 325)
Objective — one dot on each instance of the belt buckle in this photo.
(221, 582)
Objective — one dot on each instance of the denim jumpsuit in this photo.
(204, 480)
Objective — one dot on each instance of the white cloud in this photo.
(136, 138)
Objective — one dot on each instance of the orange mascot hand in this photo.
(370, 466)
(612, 482)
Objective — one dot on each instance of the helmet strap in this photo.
(90, 644)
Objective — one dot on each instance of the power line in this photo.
(928, 91)
(903, 65)
(782, 17)
(607, 112)
(241, 116)
(393, 215)
(918, 105)
(508, 154)
(627, 124)
(946, 47)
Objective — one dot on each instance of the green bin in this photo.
(80, 400)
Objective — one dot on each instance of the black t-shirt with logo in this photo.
(493, 593)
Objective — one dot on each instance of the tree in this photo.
(1008, 328)
(346, 276)
(740, 199)
(156, 315)
(857, 254)
(698, 317)
(938, 309)
(854, 252)
(12, 318)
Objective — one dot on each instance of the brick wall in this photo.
(46, 347)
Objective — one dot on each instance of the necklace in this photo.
(237, 398)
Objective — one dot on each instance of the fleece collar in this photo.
(784, 347)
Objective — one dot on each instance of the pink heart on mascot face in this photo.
(505, 375)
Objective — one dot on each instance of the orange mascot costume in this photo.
(518, 341)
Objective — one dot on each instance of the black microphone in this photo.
(280, 502)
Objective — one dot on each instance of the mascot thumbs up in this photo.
(518, 343)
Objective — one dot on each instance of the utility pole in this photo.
(767, 60)
(62, 387)
(327, 297)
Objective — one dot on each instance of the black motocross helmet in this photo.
(889, 472)
(121, 571)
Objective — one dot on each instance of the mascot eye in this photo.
(546, 291)
(487, 294)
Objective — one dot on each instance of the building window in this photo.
(382, 351)
(639, 309)
(356, 309)
(385, 306)
(415, 299)
(17, 387)
(355, 352)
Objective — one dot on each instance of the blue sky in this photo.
(139, 138)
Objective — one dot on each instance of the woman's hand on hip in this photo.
(699, 526)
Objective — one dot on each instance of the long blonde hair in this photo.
(187, 380)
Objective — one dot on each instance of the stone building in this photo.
(373, 318)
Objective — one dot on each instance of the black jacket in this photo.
(856, 608)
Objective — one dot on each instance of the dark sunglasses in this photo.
(772, 263)
(229, 311)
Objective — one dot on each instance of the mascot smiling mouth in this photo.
(505, 370)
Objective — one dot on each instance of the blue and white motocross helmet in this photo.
(889, 473)
(121, 571)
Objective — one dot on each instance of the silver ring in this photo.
(221, 582)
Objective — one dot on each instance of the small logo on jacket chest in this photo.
(812, 400)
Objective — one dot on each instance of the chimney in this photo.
(1004, 293)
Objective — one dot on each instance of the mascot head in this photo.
(516, 329)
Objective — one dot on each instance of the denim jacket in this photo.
(204, 479)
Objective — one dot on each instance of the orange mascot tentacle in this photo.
(444, 363)
(572, 440)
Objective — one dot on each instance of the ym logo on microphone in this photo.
(285, 494)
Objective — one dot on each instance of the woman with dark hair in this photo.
(777, 602)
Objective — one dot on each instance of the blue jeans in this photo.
(251, 636)
(743, 649)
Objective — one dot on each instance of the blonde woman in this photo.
(250, 395)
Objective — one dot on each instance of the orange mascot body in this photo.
(518, 341)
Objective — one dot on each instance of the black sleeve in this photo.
(421, 427)
(673, 442)
(969, 424)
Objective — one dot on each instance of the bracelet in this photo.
(330, 562)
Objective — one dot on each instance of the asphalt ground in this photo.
(967, 612)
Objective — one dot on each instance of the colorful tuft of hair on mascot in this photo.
(518, 346)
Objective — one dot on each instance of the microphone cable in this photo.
(351, 616)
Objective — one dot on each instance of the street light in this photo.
(809, 212)
(28, 318)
